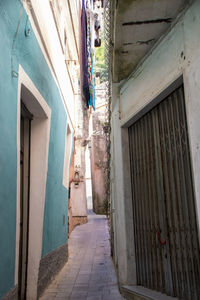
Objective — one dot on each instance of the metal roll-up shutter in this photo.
(165, 227)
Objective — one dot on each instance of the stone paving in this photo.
(89, 273)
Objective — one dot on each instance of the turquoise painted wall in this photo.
(26, 51)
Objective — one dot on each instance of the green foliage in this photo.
(100, 62)
(99, 53)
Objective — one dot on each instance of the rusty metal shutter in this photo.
(166, 237)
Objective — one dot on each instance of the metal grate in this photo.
(166, 237)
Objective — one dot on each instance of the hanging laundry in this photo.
(87, 82)
(84, 57)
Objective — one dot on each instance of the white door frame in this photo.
(40, 133)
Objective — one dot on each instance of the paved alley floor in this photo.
(89, 273)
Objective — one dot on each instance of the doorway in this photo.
(25, 144)
(88, 180)
(166, 237)
(34, 111)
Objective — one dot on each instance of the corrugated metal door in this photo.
(166, 238)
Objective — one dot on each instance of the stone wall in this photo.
(50, 265)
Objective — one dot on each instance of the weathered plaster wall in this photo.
(121, 201)
(17, 48)
(177, 54)
(98, 153)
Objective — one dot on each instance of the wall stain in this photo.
(155, 21)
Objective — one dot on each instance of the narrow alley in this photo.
(89, 272)
(99, 149)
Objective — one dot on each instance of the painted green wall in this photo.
(26, 51)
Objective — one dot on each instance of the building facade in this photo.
(155, 148)
(39, 61)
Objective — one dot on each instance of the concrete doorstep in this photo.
(142, 293)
